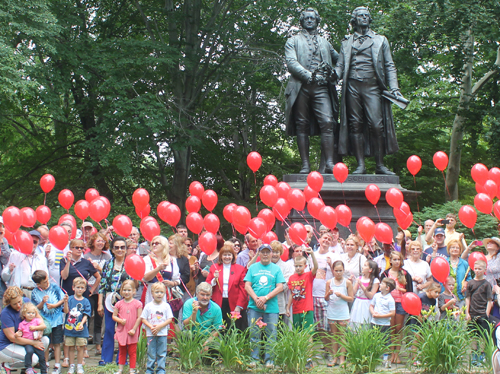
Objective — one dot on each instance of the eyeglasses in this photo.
(80, 248)
(189, 245)
(155, 244)
(121, 248)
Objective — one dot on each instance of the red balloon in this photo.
(82, 209)
(47, 183)
(298, 233)
(140, 198)
(228, 212)
(173, 214)
(474, 256)
(383, 233)
(66, 199)
(43, 214)
(296, 199)
(69, 218)
(58, 237)
(479, 173)
(283, 188)
(257, 227)
(281, 209)
(411, 303)
(440, 160)
(344, 215)
(480, 188)
(28, 217)
(467, 216)
(483, 203)
(491, 188)
(211, 223)
(309, 193)
(268, 195)
(240, 228)
(91, 194)
(372, 193)
(414, 163)
(194, 222)
(340, 172)
(496, 209)
(12, 218)
(315, 181)
(494, 175)
(402, 212)
(162, 210)
(98, 210)
(366, 228)
(254, 161)
(193, 204)
(144, 212)
(440, 269)
(10, 237)
(270, 180)
(208, 242)
(24, 242)
(107, 205)
(394, 197)
(406, 222)
(314, 206)
(269, 237)
(241, 217)
(328, 217)
(196, 189)
(149, 228)
(123, 226)
(135, 266)
(268, 216)
(209, 200)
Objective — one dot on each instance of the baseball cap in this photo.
(323, 228)
(265, 246)
(439, 231)
(87, 224)
(36, 233)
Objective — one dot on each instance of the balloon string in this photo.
(314, 229)
(343, 194)
(379, 219)
(234, 232)
(445, 184)
(51, 277)
(45, 199)
(107, 226)
(256, 194)
(418, 206)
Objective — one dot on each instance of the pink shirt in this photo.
(129, 312)
(24, 326)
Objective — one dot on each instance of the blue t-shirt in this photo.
(210, 320)
(441, 252)
(53, 316)
(82, 268)
(9, 318)
(77, 309)
(264, 279)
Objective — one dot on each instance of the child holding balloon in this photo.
(127, 315)
(365, 288)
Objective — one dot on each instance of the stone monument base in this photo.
(352, 194)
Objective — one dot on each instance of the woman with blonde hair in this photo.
(352, 259)
(459, 269)
(419, 269)
(404, 283)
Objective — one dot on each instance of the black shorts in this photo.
(57, 335)
(479, 325)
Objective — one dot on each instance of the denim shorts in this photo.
(399, 309)
(57, 336)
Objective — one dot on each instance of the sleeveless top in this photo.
(338, 308)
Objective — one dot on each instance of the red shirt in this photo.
(301, 288)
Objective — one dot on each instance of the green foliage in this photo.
(441, 346)
(364, 348)
(190, 347)
(487, 345)
(233, 347)
(294, 347)
(142, 350)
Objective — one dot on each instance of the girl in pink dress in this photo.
(127, 315)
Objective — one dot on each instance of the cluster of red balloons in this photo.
(194, 221)
(400, 209)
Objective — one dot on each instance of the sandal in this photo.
(332, 363)
(65, 363)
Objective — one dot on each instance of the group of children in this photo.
(369, 301)
(65, 319)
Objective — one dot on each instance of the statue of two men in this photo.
(370, 84)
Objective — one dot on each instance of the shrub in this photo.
(364, 348)
(294, 348)
(233, 347)
(190, 348)
(142, 351)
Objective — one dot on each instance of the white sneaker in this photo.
(79, 370)
(387, 364)
(71, 369)
(57, 370)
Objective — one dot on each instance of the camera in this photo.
(445, 221)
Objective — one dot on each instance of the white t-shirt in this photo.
(156, 314)
(337, 249)
(324, 272)
(418, 269)
(382, 305)
(353, 266)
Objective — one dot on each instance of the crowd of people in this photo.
(51, 297)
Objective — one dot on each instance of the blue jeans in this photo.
(255, 332)
(157, 352)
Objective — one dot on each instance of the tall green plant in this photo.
(487, 345)
(294, 348)
(233, 347)
(142, 351)
(190, 346)
(441, 346)
(364, 348)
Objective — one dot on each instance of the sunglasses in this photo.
(155, 244)
(121, 248)
(80, 248)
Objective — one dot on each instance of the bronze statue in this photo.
(369, 86)
(311, 99)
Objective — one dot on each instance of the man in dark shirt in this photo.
(437, 249)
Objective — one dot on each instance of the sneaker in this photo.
(4, 369)
(57, 370)
(269, 364)
(30, 371)
(309, 364)
(71, 369)
(417, 363)
(387, 364)
(80, 370)
(252, 364)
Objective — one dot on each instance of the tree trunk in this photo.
(182, 164)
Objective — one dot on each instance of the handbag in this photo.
(48, 327)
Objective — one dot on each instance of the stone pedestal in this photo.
(352, 194)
